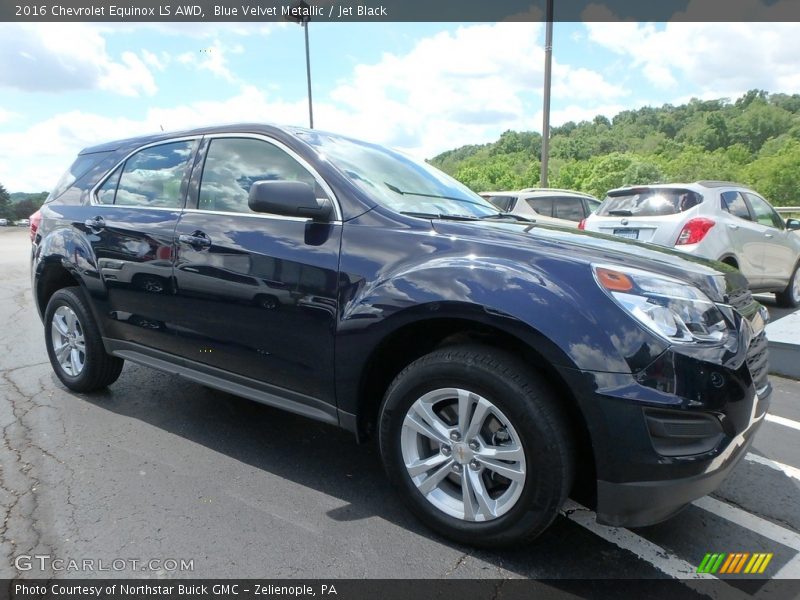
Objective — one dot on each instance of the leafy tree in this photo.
(6, 211)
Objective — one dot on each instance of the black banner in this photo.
(398, 10)
(387, 589)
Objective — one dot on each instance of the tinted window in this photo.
(648, 202)
(234, 164)
(153, 176)
(735, 204)
(78, 169)
(592, 204)
(763, 212)
(568, 208)
(543, 206)
(503, 203)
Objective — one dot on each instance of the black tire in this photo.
(100, 369)
(789, 298)
(528, 402)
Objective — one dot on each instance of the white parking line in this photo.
(750, 521)
(651, 553)
(783, 421)
(788, 470)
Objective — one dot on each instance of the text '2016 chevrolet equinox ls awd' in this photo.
(502, 364)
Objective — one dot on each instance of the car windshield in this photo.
(398, 181)
(648, 202)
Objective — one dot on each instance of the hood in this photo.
(716, 279)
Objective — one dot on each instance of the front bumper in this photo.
(641, 503)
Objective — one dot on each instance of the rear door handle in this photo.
(95, 223)
(196, 240)
(732, 226)
(769, 235)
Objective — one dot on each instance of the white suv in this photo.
(545, 205)
(713, 219)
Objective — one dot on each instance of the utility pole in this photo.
(548, 60)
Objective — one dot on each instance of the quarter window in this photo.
(233, 164)
(151, 177)
(735, 204)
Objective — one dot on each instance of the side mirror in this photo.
(792, 224)
(289, 198)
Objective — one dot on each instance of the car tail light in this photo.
(582, 224)
(35, 221)
(694, 231)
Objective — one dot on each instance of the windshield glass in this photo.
(398, 181)
(648, 202)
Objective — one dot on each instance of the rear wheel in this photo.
(790, 297)
(477, 446)
(74, 344)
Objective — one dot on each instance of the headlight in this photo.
(670, 308)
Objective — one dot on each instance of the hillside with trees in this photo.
(754, 140)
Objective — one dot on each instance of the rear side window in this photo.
(151, 177)
(648, 202)
(735, 204)
(592, 204)
(234, 164)
(764, 213)
(543, 206)
(568, 208)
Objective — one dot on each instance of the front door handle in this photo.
(732, 226)
(96, 223)
(769, 235)
(197, 240)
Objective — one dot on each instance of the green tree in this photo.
(6, 211)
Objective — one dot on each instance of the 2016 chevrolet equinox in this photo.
(502, 364)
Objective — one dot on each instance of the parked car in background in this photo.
(501, 364)
(712, 219)
(546, 205)
(24, 223)
(3, 222)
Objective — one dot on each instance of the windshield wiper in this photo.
(424, 215)
(509, 216)
(620, 212)
(397, 190)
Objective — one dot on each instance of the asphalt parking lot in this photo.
(160, 468)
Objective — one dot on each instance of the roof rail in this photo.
(539, 189)
(715, 184)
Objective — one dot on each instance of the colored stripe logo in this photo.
(735, 563)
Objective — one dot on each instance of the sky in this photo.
(419, 87)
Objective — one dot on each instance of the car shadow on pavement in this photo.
(326, 459)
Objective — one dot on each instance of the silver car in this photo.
(546, 205)
(713, 219)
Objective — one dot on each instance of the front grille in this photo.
(757, 360)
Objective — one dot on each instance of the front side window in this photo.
(735, 204)
(152, 177)
(233, 165)
(764, 213)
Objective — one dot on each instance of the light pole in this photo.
(302, 18)
(548, 60)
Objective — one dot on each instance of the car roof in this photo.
(697, 186)
(265, 128)
(532, 192)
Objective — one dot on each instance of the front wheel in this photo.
(477, 445)
(790, 297)
(75, 346)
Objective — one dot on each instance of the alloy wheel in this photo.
(69, 345)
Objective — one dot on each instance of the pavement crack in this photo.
(458, 563)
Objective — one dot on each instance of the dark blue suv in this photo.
(501, 364)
